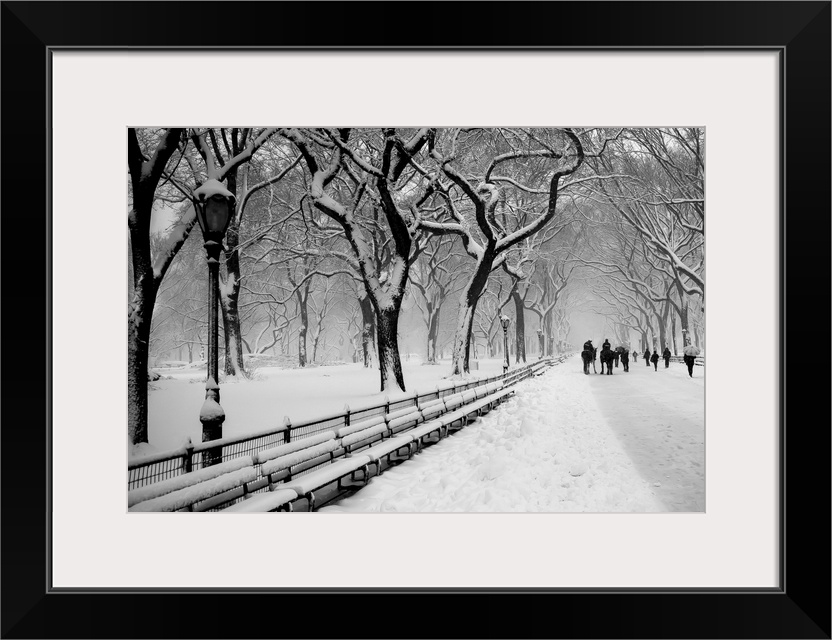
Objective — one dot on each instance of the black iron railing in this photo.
(168, 464)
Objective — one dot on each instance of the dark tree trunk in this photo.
(465, 319)
(683, 314)
(315, 341)
(673, 331)
(230, 294)
(390, 366)
(138, 339)
(433, 332)
(304, 327)
(662, 320)
(368, 319)
(520, 327)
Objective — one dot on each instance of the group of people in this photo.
(648, 357)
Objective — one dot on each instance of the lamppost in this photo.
(214, 205)
(540, 339)
(505, 320)
(684, 337)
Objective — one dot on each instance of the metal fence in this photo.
(168, 464)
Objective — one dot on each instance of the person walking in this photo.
(666, 356)
(689, 360)
(635, 355)
(655, 360)
(625, 360)
(647, 357)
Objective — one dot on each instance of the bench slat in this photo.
(263, 502)
(327, 475)
(296, 445)
(378, 451)
(297, 457)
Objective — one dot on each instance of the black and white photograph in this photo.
(416, 319)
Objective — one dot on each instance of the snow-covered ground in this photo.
(630, 442)
(261, 403)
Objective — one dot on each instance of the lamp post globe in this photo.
(505, 320)
(214, 205)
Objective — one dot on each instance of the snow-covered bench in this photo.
(361, 434)
(403, 419)
(305, 486)
(383, 450)
(454, 401)
(275, 500)
(284, 461)
(197, 491)
(432, 409)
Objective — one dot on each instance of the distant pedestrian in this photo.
(666, 356)
(635, 356)
(655, 360)
(647, 357)
(625, 360)
(689, 360)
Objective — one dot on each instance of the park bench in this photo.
(384, 450)
(274, 500)
(403, 419)
(199, 490)
(432, 409)
(287, 460)
(306, 485)
(363, 433)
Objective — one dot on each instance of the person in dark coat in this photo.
(625, 360)
(647, 357)
(588, 345)
(666, 356)
(635, 356)
(606, 344)
(655, 360)
(689, 360)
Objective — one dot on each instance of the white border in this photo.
(96, 95)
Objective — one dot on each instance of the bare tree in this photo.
(491, 235)
(146, 164)
(361, 185)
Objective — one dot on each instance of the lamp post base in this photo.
(211, 416)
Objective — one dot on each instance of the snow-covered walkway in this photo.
(559, 445)
(659, 416)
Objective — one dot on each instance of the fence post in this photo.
(386, 404)
(287, 433)
(346, 415)
(189, 452)
(418, 408)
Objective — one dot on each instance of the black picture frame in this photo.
(799, 608)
